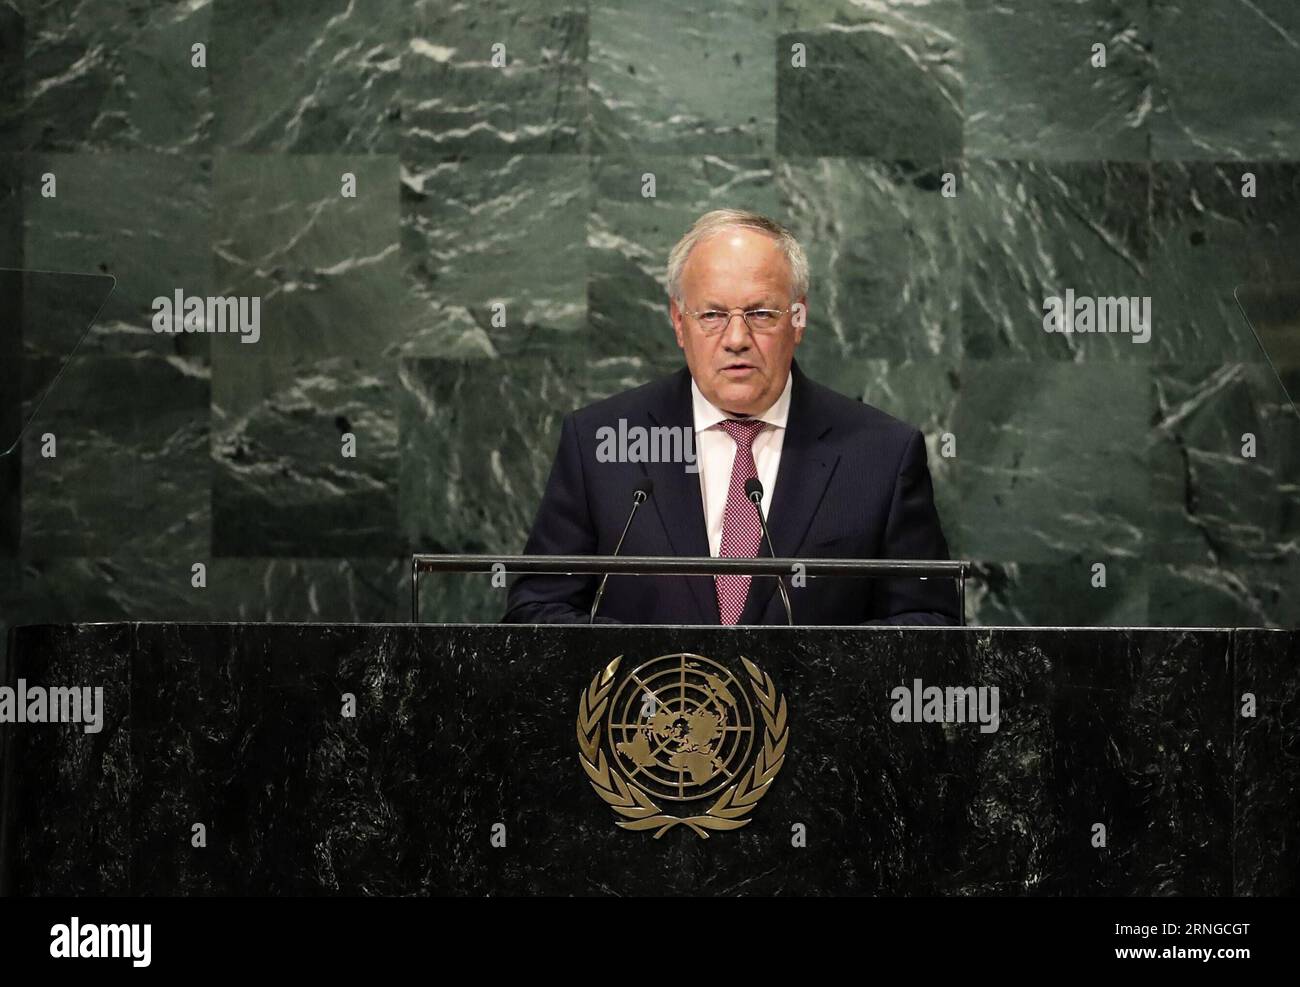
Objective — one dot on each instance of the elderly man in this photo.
(840, 479)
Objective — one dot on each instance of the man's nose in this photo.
(736, 335)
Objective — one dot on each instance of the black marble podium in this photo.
(239, 728)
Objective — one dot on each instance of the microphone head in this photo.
(754, 489)
(644, 488)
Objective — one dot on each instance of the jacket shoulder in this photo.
(858, 417)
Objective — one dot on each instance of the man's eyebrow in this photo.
(762, 302)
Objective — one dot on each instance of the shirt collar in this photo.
(707, 414)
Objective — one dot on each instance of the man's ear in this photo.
(675, 314)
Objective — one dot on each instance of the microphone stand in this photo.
(638, 498)
(754, 488)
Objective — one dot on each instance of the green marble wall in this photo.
(522, 185)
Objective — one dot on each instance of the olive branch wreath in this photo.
(728, 812)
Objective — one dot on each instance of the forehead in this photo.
(736, 260)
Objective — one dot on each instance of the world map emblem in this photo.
(679, 729)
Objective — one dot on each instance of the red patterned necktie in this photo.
(741, 532)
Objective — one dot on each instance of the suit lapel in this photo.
(801, 481)
(677, 496)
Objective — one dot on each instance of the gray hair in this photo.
(724, 219)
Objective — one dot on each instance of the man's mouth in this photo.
(738, 369)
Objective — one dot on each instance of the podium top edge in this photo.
(778, 628)
(648, 565)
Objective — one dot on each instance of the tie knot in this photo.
(743, 430)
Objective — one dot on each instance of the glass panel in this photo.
(1272, 312)
(44, 317)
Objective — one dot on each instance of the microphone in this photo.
(754, 491)
(644, 488)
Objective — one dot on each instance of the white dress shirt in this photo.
(715, 453)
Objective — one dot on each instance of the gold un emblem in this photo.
(681, 728)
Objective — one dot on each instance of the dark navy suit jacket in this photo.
(852, 483)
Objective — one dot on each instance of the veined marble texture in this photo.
(456, 216)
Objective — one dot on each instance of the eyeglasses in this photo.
(760, 320)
